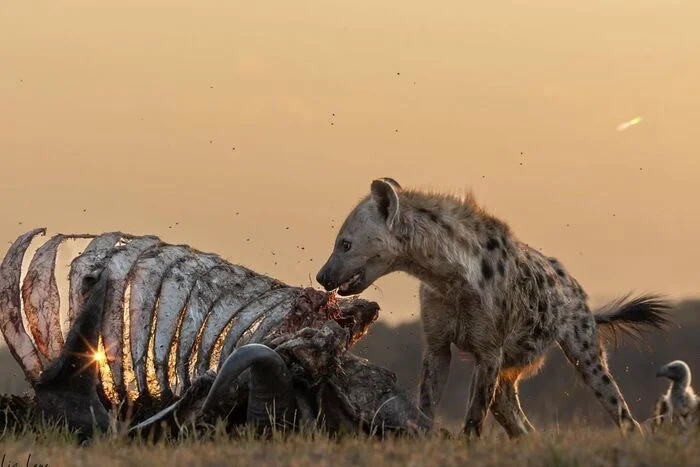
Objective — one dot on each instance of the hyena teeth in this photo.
(349, 283)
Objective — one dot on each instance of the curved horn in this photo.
(270, 383)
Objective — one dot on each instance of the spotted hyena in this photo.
(488, 293)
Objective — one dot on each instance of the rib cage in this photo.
(171, 312)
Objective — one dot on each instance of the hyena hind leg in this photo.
(581, 346)
(507, 411)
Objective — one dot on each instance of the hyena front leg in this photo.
(482, 391)
(507, 411)
(434, 373)
(582, 348)
(437, 355)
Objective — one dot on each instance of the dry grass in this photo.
(575, 446)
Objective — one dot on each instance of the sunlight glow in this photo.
(625, 125)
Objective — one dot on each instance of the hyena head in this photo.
(366, 247)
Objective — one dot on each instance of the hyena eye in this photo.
(345, 245)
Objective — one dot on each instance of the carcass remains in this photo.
(165, 333)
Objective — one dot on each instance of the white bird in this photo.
(679, 405)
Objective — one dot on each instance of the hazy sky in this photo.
(132, 111)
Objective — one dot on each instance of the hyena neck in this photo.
(451, 244)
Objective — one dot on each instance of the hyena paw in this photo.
(472, 429)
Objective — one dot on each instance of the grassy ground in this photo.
(565, 447)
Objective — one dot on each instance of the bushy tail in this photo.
(631, 316)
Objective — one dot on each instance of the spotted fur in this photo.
(486, 292)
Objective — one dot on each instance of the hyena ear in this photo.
(393, 182)
(384, 194)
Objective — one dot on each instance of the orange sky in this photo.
(132, 111)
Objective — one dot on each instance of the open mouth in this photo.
(351, 284)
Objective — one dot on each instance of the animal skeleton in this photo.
(178, 327)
